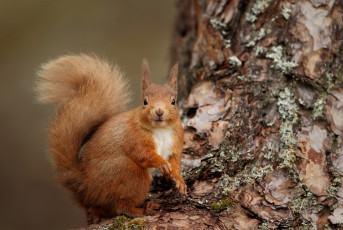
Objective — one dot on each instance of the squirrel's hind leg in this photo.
(93, 216)
(124, 207)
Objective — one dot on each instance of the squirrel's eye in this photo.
(173, 102)
(145, 102)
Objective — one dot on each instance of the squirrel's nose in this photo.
(159, 112)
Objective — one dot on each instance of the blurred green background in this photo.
(33, 32)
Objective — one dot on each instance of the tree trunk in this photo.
(261, 90)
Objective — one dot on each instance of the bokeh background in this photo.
(33, 32)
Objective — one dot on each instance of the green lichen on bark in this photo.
(303, 202)
(306, 225)
(221, 205)
(334, 186)
(123, 223)
(136, 224)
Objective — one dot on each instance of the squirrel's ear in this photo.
(146, 75)
(172, 79)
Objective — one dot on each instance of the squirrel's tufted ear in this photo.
(172, 80)
(146, 75)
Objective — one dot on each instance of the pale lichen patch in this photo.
(303, 202)
(217, 24)
(234, 61)
(318, 107)
(288, 110)
(257, 8)
(260, 6)
(258, 50)
(287, 105)
(258, 36)
(268, 151)
(250, 17)
(334, 186)
(279, 60)
(286, 12)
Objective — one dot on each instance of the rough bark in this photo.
(262, 99)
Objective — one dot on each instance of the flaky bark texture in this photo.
(262, 99)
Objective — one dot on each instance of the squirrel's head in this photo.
(159, 102)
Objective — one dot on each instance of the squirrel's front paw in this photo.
(165, 169)
(181, 186)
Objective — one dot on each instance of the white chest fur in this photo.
(164, 141)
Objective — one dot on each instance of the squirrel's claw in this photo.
(181, 186)
(166, 169)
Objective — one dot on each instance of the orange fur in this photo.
(110, 176)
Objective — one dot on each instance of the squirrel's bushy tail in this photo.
(88, 91)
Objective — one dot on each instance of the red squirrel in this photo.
(102, 151)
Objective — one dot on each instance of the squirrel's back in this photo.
(88, 92)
